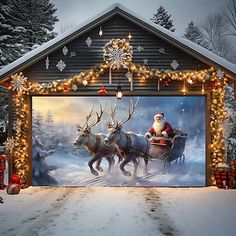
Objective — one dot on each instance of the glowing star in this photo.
(190, 81)
(10, 144)
(61, 65)
(174, 64)
(74, 87)
(18, 81)
(85, 82)
(220, 74)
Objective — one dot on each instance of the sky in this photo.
(183, 11)
(73, 110)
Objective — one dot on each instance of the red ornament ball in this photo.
(14, 179)
(13, 189)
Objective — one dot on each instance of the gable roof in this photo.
(183, 44)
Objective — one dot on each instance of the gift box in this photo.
(224, 178)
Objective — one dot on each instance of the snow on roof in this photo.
(52, 44)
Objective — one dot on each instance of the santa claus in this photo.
(161, 131)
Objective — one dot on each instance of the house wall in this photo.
(87, 57)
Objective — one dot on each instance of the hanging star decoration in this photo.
(74, 87)
(18, 81)
(10, 144)
(190, 81)
(85, 82)
(118, 53)
(102, 90)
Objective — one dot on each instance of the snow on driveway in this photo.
(107, 211)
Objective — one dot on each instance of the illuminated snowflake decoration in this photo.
(174, 64)
(118, 53)
(10, 144)
(220, 74)
(61, 65)
(18, 81)
(139, 48)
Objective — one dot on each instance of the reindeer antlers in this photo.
(99, 116)
(131, 111)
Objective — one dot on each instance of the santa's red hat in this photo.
(159, 115)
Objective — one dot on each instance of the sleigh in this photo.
(174, 153)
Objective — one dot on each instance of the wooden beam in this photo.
(235, 89)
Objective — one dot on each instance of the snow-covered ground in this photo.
(118, 211)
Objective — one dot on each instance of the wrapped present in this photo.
(3, 159)
(224, 177)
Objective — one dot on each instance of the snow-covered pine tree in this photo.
(230, 124)
(36, 20)
(163, 18)
(10, 46)
(193, 33)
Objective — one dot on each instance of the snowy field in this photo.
(106, 211)
(73, 170)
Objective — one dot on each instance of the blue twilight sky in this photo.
(183, 112)
(182, 11)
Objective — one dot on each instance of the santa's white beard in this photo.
(158, 126)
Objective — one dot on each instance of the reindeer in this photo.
(130, 144)
(94, 143)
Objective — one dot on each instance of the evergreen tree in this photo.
(35, 19)
(194, 34)
(230, 124)
(163, 19)
(10, 46)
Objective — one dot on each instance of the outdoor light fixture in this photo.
(119, 93)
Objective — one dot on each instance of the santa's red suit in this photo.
(163, 137)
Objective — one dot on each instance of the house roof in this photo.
(185, 45)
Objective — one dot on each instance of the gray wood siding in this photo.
(87, 57)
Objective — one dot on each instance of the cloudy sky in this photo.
(182, 11)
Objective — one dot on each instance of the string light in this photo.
(203, 90)
(20, 153)
(184, 90)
